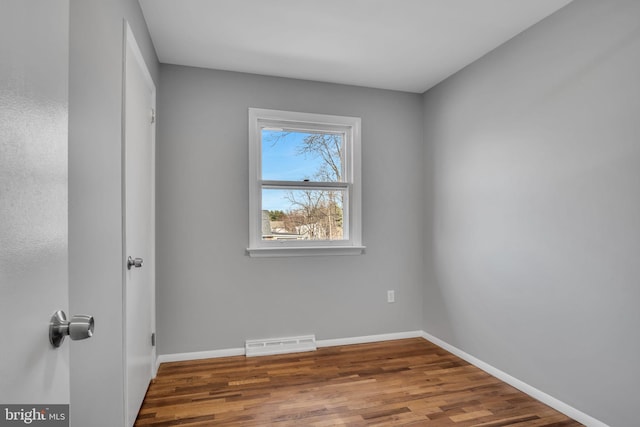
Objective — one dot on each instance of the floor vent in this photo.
(280, 345)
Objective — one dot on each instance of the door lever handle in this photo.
(78, 328)
(134, 262)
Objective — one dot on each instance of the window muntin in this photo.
(305, 180)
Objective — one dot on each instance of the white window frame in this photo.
(351, 126)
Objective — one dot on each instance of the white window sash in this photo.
(260, 119)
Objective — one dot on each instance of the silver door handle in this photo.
(134, 262)
(78, 328)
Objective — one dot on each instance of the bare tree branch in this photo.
(317, 214)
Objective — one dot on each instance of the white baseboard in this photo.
(368, 338)
(240, 351)
(503, 376)
(197, 355)
(543, 397)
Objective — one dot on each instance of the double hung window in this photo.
(304, 184)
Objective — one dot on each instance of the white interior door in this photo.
(139, 190)
(34, 74)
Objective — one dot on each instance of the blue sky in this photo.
(281, 161)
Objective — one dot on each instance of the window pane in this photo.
(302, 214)
(299, 156)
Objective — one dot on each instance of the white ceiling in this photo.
(407, 45)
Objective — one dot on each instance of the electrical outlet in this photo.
(391, 296)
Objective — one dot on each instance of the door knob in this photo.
(134, 262)
(78, 328)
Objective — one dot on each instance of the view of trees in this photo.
(314, 214)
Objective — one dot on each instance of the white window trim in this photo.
(352, 125)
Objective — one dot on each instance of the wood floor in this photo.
(394, 383)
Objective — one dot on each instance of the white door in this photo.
(139, 189)
(34, 74)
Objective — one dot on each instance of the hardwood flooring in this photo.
(408, 382)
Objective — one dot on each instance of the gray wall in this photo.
(211, 295)
(533, 154)
(95, 201)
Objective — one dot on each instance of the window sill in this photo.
(305, 251)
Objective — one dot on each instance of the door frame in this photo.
(129, 41)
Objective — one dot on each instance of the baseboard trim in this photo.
(368, 338)
(197, 355)
(543, 397)
(240, 351)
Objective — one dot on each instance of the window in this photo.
(304, 178)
